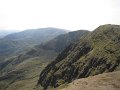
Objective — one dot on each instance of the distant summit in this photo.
(20, 42)
(36, 36)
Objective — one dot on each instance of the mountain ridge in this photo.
(20, 42)
(96, 53)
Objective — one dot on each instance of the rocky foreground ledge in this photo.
(106, 81)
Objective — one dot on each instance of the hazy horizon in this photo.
(20, 15)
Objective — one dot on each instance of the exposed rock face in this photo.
(96, 53)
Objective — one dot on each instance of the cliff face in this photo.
(96, 53)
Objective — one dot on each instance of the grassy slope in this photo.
(24, 76)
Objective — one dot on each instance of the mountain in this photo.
(59, 43)
(36, 36)
(48, 52)
(22, 71)
(20, 42)
(51, 48)
(96, 53)
(104, 81)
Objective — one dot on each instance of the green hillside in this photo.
(96, 53)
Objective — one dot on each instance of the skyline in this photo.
(66, 14)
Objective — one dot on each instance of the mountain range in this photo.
(57, 59)
(26, 67)
(20, 42)
(36, 36)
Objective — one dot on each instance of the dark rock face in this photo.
(66, 73)
(96, 53)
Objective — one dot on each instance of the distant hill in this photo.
(36, 36)
(96, 53)
(23, 70)
(20, 42)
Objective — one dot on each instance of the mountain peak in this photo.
(107, 27)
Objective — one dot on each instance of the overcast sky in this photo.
(67, 14)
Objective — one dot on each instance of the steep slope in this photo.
(6, 47)
(60, 42)
(106, 81)
(22, 72)
(96, 53)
